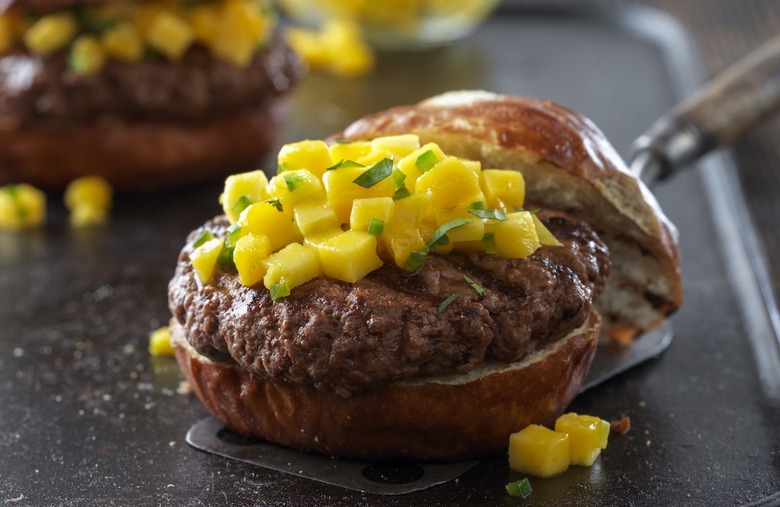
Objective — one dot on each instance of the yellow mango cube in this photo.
(450, 183)
(204, 259)
(160, 342)
(504, 189)
(22, 206)
(414, 208)
(123, 42)
(349, 256)
(51, 33)
(86, 55)
(246, 17)
(270, 218)
(6, 33)
(312, 155)
(293, 265)
(169, 34)
(515, 237)
(474, 230)
(349, 150)
(401, 239)
(88, 190)
(307, 46)
(250, 252)
(315, 219)
(341, 189)
(539, 451)
(296, 186)
(413, 165)
(232, 45)
(398, 146)
(240, 189)
(204, 22)
(474, 165)
(364, 210)
(546, 238)
(588, 435)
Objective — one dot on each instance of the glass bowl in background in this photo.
(397, 24)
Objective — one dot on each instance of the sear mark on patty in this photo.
(386, 327)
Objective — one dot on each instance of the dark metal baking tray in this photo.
(87, 418)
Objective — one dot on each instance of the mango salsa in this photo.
(539, 451)
(588, 435)
(160, 342)
(22, 207)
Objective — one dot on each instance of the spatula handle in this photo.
(717, 114)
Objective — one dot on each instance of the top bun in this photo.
(568, 165)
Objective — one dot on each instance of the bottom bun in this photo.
(435, 419)
(135, 156)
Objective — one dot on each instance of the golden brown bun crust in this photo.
(568, 165)
(440, 419)
(138, 156)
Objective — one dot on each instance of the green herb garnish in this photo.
(202, 238)
(447, 302)
(439, 237)
(521, 488)
(225, 257)
(232, 235)
(415, 261)
(376, 227)
(283, 167)
(293, 181)
(399, 177)
(375, 173)
(477, 205)
(493, 214)
(279, 290)
(480, 290)
(426, 161)
(489, 243)
(401, 193)
(241, 204)
(276, 203)
(345, 164)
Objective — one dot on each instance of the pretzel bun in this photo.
(138, 156)
(568, 165)
(443, 418)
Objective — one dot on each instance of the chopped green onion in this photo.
(493, 214)
(233, 234)
(401, 193)
(225, 258)
(399, 177)
(447, 302)
(202, 238)
(376, 227)
(375, 173)
(477, 205)
(284, 166)
(415, 261)
(489, 243)
(279, 290)
(345, 164)
(241, 204)
(439, 236)
(276, 203)
(480, 290)
(293, 181)
(521, 488)
(342, 141)
(426, 161)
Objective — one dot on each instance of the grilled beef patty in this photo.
(199, 87)
(386, 327)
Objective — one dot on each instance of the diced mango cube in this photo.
(504, 189)
(349, 150)
(312, 155)
(515, 237)
(546, 238)
(51, 33)
(364, 210)
(295, 186)
(413, 165)
(314, 218)
(231, 45)
(349, 256)
(341, 189)
(539, 451)
(293, 265)
(203, 19)
(22, 206)
(414, 208)
(401, 239)
(450, 183)
(250, 252)
(399, 146)
(588, 435)
(160, 342)
(474, 165)
(273, 219)
(204, 259)
(123, 42)
(308, 47)
(474, 230)
(246, 188)
(86, 55)
(246, 17)
(88, 190)
(169, 34)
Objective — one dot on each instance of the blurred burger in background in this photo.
(146, 95)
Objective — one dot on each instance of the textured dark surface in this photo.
(88, 418)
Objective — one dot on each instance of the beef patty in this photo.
(196, 88)
(387, 326)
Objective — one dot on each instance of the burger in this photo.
(146, 95)
(397, 348)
